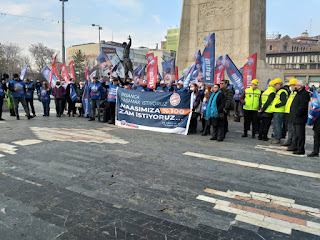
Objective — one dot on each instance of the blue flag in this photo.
(197, 72)
(23, 72)
(169, 71)
(159, 75)
(208, 59)
(235, 76)
(187, 79)
(269, 80)
(314, 109)
(46, 73)
(73, 93)
(86, 99)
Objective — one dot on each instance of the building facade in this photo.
(298, 57)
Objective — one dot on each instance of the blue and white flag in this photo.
(86, 99)
(46, 73)
(187, 79)
(169, 71)
(208, 59)
(234, 75)
(73, 93)
(159, 76)
(314, 109)
(197, 73)
(23, 72)
(92, 75)
(269, 80)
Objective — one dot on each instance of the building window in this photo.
(278, 60)
(296, 59)
(285, 47)
(303, 66)
(313, 58)
(270, 47)
(313, 66)
(304, 59)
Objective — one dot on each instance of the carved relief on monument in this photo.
(215, 8)
(223, 40)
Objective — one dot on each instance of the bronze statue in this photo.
(126, 59)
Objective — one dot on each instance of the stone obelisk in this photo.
(239, 27)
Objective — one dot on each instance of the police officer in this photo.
(288, 116)
(278, 109)
(250, 99)
(265, 111)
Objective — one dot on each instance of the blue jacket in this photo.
(29, 90)
(45, 95)
(112, 94)
(160, 89)
(2, 89)
(95, 91)
(17, 88)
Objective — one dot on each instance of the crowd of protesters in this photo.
(286, 107)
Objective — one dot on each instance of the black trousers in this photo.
(316, 142)
(251, 117)
(218, 128)
(264, 126)
(193, 123)
(59, 106)
(1, 103)
(285, 126)
(225, 124)
(29, 101)
(299, 136)
(71, 106)
(113, 112)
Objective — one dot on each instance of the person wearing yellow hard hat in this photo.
(278, 109)
(287, 116)
(265, 111)
(250, 99)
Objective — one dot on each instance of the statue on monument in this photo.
(126, 59)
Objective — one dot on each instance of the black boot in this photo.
(245, 134)
(313, 154)
(18, 118)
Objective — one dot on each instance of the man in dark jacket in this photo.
(228, 94)
(299, 110)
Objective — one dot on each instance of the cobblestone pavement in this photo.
(67, 178)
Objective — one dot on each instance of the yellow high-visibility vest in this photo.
(264, 97)
(252, 98)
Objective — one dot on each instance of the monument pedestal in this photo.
(239, 27)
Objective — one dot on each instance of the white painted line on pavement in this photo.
(20, 179)
(27, 142)
(255, 165)
(278, 150)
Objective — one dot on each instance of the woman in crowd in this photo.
(205, 124)
(215, 113)
(45, 92)
(80, 90)
(29, 95)
(196, 108)
(59, 94)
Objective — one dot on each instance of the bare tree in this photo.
(42, 55)
(11, 56)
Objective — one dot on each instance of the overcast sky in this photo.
(145, 20)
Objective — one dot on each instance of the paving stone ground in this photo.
(67, 178)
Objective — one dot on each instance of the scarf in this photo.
(212, 110)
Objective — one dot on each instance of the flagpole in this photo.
(63, 47)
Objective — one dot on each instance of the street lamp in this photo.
(63, 47)
(100, 28)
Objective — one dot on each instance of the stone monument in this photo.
(239, 27)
